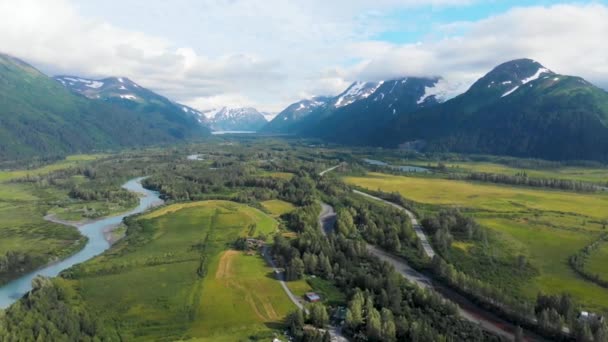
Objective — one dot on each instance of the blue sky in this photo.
(417, 24)
(269, 53)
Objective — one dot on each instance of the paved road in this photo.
(328, 170)
(327, 218)
(327, 222)
(466, 309)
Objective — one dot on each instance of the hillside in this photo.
(288, 120)
(125, 93)
(521, 109)
(38, 116)
(354, 115)
(357, 122)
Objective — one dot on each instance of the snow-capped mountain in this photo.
(509, 77)
(287, 120)
(111, 87)
(357, 91)
(519, 108)
(234, 119)
(371, 105)
(123, 92)
(360, 108)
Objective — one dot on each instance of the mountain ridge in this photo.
(235, 119)
(39, 116)
(533, 113)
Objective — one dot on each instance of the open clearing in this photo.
(60, 165)
(178, 279)
(279, 175)
(278, 207)
(592, 175)
(543, 225)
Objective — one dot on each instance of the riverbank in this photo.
(94, 231)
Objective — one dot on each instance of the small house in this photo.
(590, 317)
(254, 243)
(312, 297)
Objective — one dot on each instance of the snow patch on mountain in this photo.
(357, 91)
(85, 82)
(536, 75)
(510, 91)
(442, 90)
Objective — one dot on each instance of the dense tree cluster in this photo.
(51, 312)
(14, 262)
(450, 224)
(383, 306)
(416, 315)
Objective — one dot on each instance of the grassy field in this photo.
(177, 277)
(23, 206)
(597, 263)
(544, 226)
(60, 165)
(487, 197)
(24, 231)
(592, 175)
(278, 207)
(240, 298)
(280, 175)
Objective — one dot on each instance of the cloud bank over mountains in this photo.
(269, 53)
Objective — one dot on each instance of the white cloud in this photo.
(269, 53)
(569, 39)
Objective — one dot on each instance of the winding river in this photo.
(96, 244)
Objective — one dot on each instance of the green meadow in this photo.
(544, 226)
(23, 206)
(597, 263)
(583, 174)
(68, 162)
(177, 277)
(280, 175)
(278, 207)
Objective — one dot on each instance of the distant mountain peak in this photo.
(106, 88)
(508, 77)
(357, 91)
(234, 119)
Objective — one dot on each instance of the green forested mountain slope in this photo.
(354, 115)
(358, 122)
(519, 109)
(125, 93)
(38, 116)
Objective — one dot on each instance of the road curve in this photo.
(466, 309)
(280, 275)
(426, 245)
(329, 170)
(327, 218)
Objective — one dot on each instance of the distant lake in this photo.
(404, 168)
(232, 132)
(195, 157)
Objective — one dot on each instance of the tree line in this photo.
(578, 261)
(383, 306)
(522, 179)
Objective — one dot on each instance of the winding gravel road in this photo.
(426, 245)
(466, 309)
